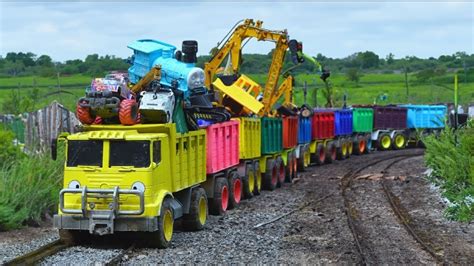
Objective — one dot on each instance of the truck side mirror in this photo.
(54, 149)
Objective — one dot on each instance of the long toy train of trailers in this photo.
(142, 178)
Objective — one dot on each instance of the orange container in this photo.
(290, 132)
(222, 146)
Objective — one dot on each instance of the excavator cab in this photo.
(296, 51)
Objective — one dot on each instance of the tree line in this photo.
(26, 64)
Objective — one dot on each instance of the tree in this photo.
(390, 58)
(368, 59)
(44, 61)
(353, 74)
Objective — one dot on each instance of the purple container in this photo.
(387, 117)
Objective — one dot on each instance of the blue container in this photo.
(425, 116)
(343, 122)
(304, 130)
(149, 53)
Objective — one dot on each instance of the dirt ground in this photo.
(317, 231)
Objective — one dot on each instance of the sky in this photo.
(72, 30)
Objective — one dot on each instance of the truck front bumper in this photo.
(122, 224)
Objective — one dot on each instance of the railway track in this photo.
(401, 215)
(36, 256)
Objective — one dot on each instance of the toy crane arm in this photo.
(324, 73)
(153, 74)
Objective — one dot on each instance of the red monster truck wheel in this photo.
(128, 113)
(84, 114)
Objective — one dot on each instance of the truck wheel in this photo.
(270, 178)
(198, 212)
(248, 181)
(320, 156)
(84, 115)
(235, 190)
(289, 167)
(128, 112)
(399, 141)
(258, 178)
(281, 172)
(331, 153)
(162, 238)
(384, 142)
(359, 146)
(220, 201)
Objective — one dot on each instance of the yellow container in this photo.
(250, 131)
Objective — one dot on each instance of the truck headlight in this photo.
(138, 186)
(74, 184)
(195, 78)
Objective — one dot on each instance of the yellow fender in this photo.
(162, 194)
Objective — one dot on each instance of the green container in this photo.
(272, 141)
(362, 120)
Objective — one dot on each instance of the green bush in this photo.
(8, 151)
(29, 188)
(451, 156)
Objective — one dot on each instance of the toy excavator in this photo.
(239, 92)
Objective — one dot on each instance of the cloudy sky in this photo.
(337, 29)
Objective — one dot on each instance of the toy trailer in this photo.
(304, 139)
(390, 123)
(139, 178)
(341, 146)
(322, 134)
(290, 146)
(362, 126)
(425, 119)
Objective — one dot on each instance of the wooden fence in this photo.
(45, 124)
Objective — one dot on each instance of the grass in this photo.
(29, 185)
(29, 81)
(451, 156)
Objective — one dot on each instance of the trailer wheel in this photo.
(220, 201)
(349, 146)
(305, 158)
(319, 156)
(331, 153)
(281, 172)
(270, 178)
(128, 112)
(295, 168)
(84, 115)
(341, 151)
(384, 142)
(198, 212)
(258, 178)
(248, 181)
(359, 145)
(235, 190)
(368, 144)
(162, 238)
(289, 167)
(399, 141)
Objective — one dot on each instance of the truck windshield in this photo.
(130, 153)
(84, 152)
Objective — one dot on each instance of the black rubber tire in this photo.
(295, 168)
(248, 187)
(258, 179)
(394, 146)
(289, 167)
(331, 153)
(270, 177)
(380, 147)
(234, 200)
(316, 157)
(191, 221)
(215, 205)
(303, 151)
(157, 239)
(350, 147)
(281, 171)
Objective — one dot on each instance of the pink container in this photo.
(222, 146)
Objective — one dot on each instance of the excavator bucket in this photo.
(243, 91)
